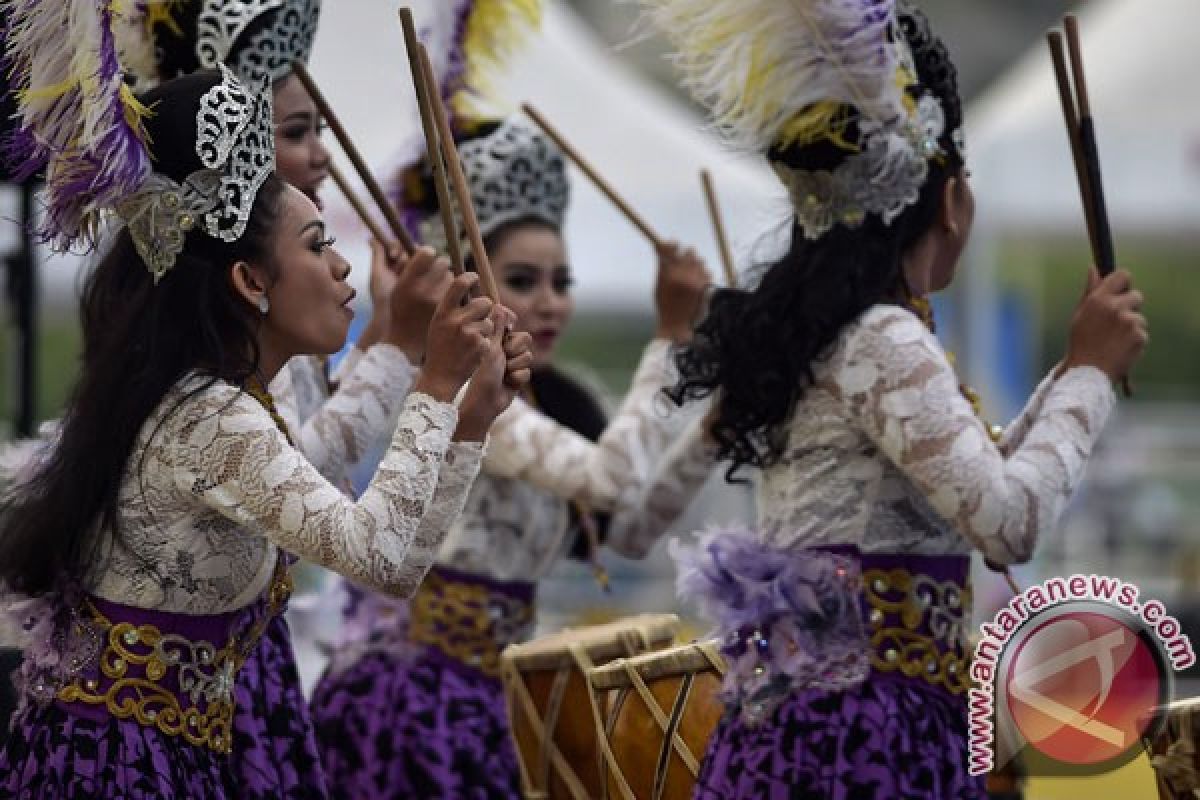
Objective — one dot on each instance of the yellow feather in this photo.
(494, 29)
(136, 112)
(162, 12)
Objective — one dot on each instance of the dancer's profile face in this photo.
(530, 263)
(300, 157)
(310, 301)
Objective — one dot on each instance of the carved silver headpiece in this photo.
(287, 35)
(235, 143)
(514, 173)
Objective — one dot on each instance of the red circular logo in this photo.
(1082, 687)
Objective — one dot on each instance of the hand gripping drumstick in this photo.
(1081, 131)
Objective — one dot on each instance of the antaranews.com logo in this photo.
(1071, 675)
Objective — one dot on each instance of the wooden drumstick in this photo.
(714, 211)
(459, 181)
(1081, 132)
(1106, 260)
(593, 175)
(1071, 120)
(432, 147)
(364, 173)
(357, 204)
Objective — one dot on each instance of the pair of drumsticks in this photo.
(447, 170)
(442, 154)
(1066, 51)
(1081, 132)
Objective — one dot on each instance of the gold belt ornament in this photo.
(467, 621)
(917, 626)
(136, 660)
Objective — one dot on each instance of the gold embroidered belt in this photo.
(162, 669)
(918, 611)
(471, 619)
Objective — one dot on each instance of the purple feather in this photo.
(786, 618)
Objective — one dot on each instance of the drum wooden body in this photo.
(550, 705)
(1173, 754)
(654, 716)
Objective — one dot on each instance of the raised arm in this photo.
(231, 457)
(637, 524)
(362, 413)
(529, 445)
(894, 378)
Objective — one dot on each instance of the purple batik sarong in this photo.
(118, 701)
(420, 710)
(125, 702)
(274, 747)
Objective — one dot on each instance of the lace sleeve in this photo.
(361, 414)
(229, 455)
(459, 469)
(895, 381)
(637, 525)
(528, 445)
(1014, 435)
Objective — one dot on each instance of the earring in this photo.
(264, 305)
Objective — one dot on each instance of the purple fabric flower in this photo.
(788, 619)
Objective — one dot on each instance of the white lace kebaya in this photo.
(337, 431)
(212, 488)
(883, 452)
(514, 526)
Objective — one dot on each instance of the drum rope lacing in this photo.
(668, 723)
(634, 641)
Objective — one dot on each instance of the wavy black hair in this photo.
(756, 348)
(139, 340)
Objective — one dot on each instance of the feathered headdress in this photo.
(76, 116)
(486, 35)
(79, 120)
(479, 37)
(783, 75)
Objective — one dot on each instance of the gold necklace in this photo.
(255, 388)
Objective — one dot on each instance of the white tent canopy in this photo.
(641, 139)
(1142, 61)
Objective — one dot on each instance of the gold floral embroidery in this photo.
(137, 662)
(919, 603)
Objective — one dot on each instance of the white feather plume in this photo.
(775, 71)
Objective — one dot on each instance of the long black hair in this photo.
(757, 347)
(139, 340)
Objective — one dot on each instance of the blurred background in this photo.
(1138, 516)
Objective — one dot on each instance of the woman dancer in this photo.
(273, 734)
(416, 709)
(844, 614)
(152, 536)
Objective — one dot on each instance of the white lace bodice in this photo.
(515, 523)
(212, 487)
(883, 452)
(336, 431)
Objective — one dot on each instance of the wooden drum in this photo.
(654, 716)
(550, 705)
